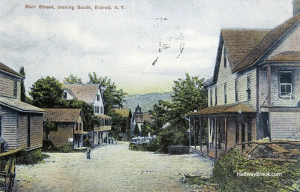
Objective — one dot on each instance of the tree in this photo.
(112, 96)
(188, 95)
(146, 128)
(48, 127)
(72, 80)
(46, 92)
(119, 123)
(23, 95)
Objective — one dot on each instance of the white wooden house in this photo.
(93, 95)
(255, 91)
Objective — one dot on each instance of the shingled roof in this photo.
(19, 105)
(266, 43)
(234, 108)
(84, 92)
(61, 115)
(239, 43)
(8, 70)
(286, 56)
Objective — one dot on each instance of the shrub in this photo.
(66, 149)
(31, 157)
(225, 174)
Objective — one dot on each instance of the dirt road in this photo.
(112, 168)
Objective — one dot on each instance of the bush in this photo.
(66, 149)
(154, 145)
(172, 136)
(31, 157)
(48, 146)
(225, 174)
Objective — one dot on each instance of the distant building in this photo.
(138, 118)
(68, 127)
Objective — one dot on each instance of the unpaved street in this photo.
(112, 168)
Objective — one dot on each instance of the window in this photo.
(225, 93)
(77, 126)
(98, 97)
(285, 83)
(101, 110)
(236, 91)
(1, 126)
(211, 92)
(216, 97)
(225, 58)
(248, 88)
(65, 95)
(15, 89)
(96, 109)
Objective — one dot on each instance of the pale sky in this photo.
(123, 43)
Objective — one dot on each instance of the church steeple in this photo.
(138, 109)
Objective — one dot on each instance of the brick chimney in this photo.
(296, 7)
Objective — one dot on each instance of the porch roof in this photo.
(235, 108)
(286, 56)
(103, 116)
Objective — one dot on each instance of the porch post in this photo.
(189, 131)
(269, 75)
(195, 131)
(200, 129)
(216, 138)
(225, 133)
(208, 135)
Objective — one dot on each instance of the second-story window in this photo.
(211, 92)
(98, 97)
(15, 89)
(96, 109)
(286, 86)
(248, 88)
(225, 64)
(225, 93)
(65, 95)
(216, 96)
(236, 91)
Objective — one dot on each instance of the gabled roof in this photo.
(8, 70)
(267, 42)
(245, 47)
(19, 105)
(84, 92)
(61, 115)
(239, 43)
(148, 117)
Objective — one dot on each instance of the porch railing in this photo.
(287, 100)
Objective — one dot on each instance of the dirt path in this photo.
(112, 168)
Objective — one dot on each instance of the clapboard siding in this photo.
(289, 43)
(225, 76)
(36, 131)
(10, 124)
(60, 137)
(285, 125)
(22, 133)
(7, 86)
